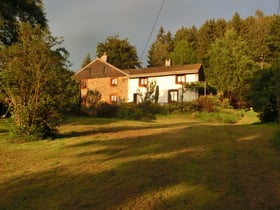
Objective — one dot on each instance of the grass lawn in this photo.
(171, 163)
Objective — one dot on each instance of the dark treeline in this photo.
(234, 53)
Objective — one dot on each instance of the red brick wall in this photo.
(103, 85)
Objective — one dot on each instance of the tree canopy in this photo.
(15, 11)
(119, 51)
(230, 64)
(160, 49)
(36, 82)
(86, 61)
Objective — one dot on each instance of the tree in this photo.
(207, 34)
(35, 79)
(187, 34)
(182, 54)
(230, 64)
(263, 95)
(15, 11)
(150, 94)
(258, 31)
(86, 61)
(157, 54)
(119, 51)
(273, 42)
(160, 49)
(236, 23)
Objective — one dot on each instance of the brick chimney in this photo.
(167, 62)
(104, 57)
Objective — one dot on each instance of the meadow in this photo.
(173, 162)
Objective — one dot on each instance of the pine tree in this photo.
(160, 49)
(86, 61)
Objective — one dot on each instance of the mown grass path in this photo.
(170, 163)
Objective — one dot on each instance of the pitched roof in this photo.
(164, 71)
(99, 68)
(95, 69)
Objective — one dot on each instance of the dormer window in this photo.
(114, 81)
(143, 82)
(180, 79)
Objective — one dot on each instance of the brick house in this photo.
(116, 85)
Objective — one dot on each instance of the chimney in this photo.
(167, 62)
(104, 57)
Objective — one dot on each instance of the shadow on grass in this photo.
(199, 167)
(115, 129)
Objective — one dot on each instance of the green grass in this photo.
(173, 162)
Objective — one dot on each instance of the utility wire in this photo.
(153, 28)
(278, 10)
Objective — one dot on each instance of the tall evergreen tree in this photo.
(86, 61)
(273, 41)
(258, 31)
(230, 64)
(187, 34)
(206, 36)
(160, 49)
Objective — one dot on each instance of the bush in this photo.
(185, 107)
(275, 140)
(142, 111)
(106, 110)
(208, 103)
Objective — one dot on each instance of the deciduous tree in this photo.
(230, 64)
(15, 11)
(119, 51)
(182, 54)
(35, 79)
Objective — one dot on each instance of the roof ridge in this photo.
(101, 60)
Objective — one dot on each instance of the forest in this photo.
(240, 58)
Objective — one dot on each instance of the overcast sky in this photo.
(84, 23)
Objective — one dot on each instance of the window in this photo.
(114, 81)
(83, 84)
(173, 96)
(192, 78)
(113, 98)
(143, 82)
(180, 79)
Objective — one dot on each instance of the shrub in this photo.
(106, 110)
(275, 140)
(142, 111)
(185, 107)
(207, 103)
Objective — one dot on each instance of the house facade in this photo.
(116, 85)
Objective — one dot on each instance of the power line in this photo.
(153, 28)
(278, 10)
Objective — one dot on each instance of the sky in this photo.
(85, 23)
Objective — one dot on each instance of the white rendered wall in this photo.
(165, 83)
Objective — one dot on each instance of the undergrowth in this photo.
(275, 140)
